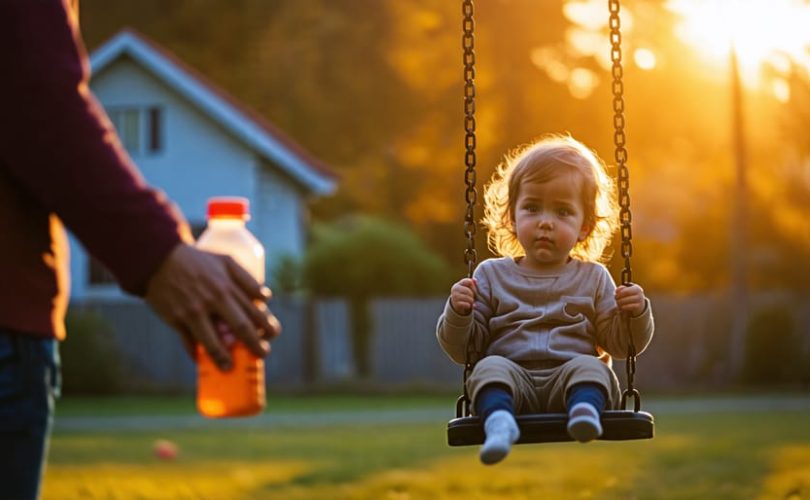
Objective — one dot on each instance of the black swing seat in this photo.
(617, 425)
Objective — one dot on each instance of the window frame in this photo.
(149, 129)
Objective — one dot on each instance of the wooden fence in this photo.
(690, 348)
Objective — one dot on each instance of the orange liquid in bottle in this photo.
(235, 393)
(239, 391)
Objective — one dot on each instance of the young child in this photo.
(549, 313)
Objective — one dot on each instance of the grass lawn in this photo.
(745, 455)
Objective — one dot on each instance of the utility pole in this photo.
(738, 238)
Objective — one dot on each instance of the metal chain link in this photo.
(625, 217)
(470, 195)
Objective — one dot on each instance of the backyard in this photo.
(394, 447)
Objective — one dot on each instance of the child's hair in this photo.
(540, 162)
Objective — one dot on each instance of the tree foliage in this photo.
(90, 361)
(771, 355)
(363, 257)
(366, 256)
(374, 87)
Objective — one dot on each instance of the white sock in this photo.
(501, 432)
(583, 422)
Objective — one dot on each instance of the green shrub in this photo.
(90, 359)
(366, 257)
(286, 275)
(773, 348)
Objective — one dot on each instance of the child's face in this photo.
(549, 220)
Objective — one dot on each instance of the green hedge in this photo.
(91, 364)
(773, 350)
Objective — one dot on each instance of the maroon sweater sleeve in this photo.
(59, 145)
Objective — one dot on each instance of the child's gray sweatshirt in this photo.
(530, 316)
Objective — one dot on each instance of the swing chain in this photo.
(620, 140)
(625, 218)
(470, 195)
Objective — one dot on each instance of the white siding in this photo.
(199, 159)
(279, 217)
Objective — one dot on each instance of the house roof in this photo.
(258, 133)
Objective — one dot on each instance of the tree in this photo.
(379, 97)
(366, 257)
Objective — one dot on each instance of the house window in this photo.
(155, 129)
(97, 274)
(139, 128)
(127, 125)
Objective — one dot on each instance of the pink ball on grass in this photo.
(165, 449)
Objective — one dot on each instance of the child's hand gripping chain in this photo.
(462, 296)
(631, 299)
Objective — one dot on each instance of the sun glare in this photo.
(759, 30)
(645, 58)
(781, 90)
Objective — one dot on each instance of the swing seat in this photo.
(617, 425)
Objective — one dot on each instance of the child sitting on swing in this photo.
(550, 315)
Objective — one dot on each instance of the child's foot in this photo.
(501, 432)
(583, 422)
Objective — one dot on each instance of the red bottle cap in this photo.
(229, 207)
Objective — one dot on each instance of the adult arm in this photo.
(59, 147)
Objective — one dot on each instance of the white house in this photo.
(194, 141)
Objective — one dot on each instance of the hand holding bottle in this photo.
(239, 391)
(193, 285)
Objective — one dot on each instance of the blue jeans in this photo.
(29, 385)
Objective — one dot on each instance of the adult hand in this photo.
(193, 287)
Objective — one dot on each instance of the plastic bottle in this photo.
(239, 391)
